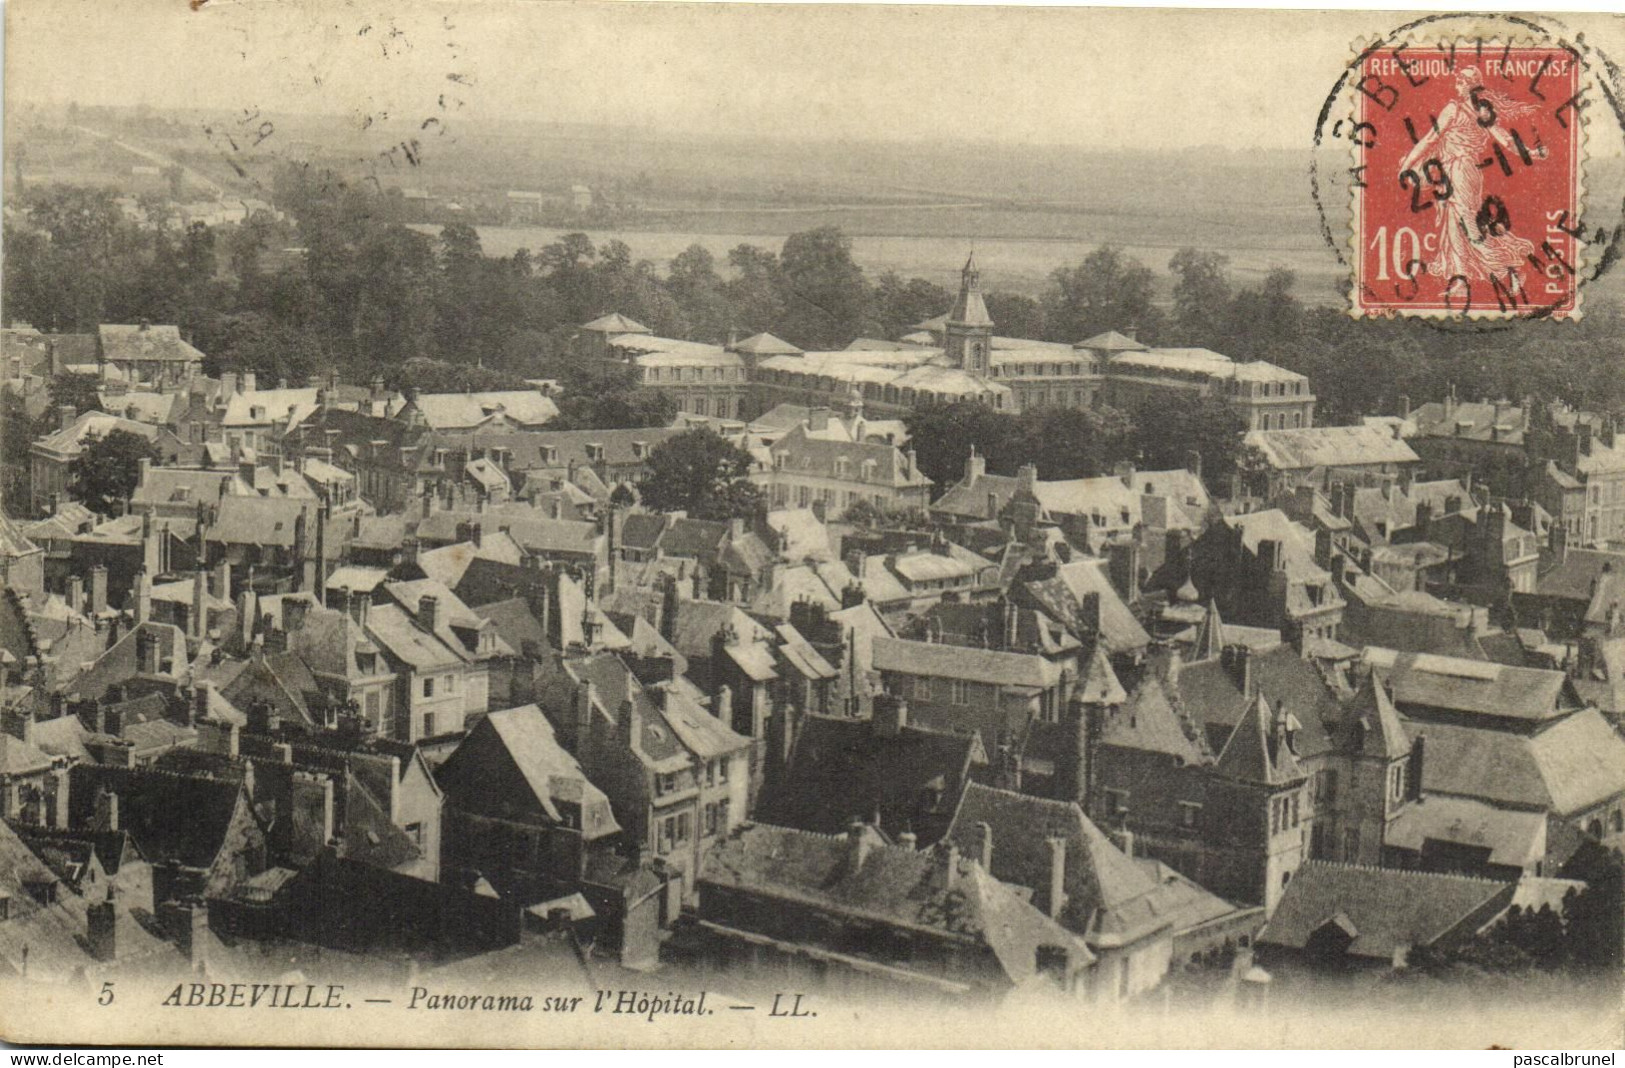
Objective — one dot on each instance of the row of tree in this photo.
(342, 284)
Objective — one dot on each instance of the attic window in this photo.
(595, 451)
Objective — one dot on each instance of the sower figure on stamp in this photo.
(1466, 246)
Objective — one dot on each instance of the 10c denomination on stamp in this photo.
(1468, 181)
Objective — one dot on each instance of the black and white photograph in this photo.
(596, 524)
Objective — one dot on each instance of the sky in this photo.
(1109, 78)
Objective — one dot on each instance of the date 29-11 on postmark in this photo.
(1468, 182)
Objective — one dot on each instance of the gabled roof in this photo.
(1258, 750)
(144, 342)
(1575, 764)
(551, 773)
(1421, 681)
(912, 889)
(1384, 909)
(1330, 446)
(18, 757)
(1110, 899)
(468, 411)
(987, 666)
(70, 439)
(843, 769)
(1149, 723)
(1513, 837)
(1371, 726)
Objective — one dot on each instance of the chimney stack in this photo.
(98, 589)
(428, 612)
(858, 845)
(107, 816)
(984, 846)
(76, 593)
(890, 715)
(1050, 895)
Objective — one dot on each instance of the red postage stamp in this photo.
(1468, 182)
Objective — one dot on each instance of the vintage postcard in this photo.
(657, 525)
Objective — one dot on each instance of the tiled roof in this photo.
(1109, 899)
(1383, 909)
(1330, 446)
(891, 885)
(144, 342)
(1566, 768)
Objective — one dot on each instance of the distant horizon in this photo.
(1033, 76)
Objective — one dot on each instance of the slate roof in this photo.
(842, 769)
(264, 521)
(969, 309)
(1257, 750)
(467, 411)
(765, 344)
(1330, 446)
(1371, 726)
(1110, 899)
(1571, 577)
(120, 342)
(1421, 681)
(397, 632)
(893, 885)
(989, 666)
(70, 439)
(18, 757)
(805, 453)
(531, 529)
(1149, 723)
(1513, 837)
(1111, 341)
(514, 623)
(1566, 768)
(1059, 597)
(551, 773)
(150, 800)
(1383, 908)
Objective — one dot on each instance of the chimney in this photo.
(975, 465)
(984, 846)
(1027, 478)
(76, 593)
(199, 709)
(59, 799)
(101, 931)
(1413, 773)
(1123, 568)
(107, 817)
(146, 652)
(1237, 661)
(1123, 838)
(428, 611)
(1124, 472)
(948, 858)
(1193, 463)
(248, 382)
(200, 611)
(1089, 616)
(294, 610)
(1011, 619)
(222, 581)
(725, 705)
(66, 414)
(818, 419)
(858, 845)
(992, 505)
(1050, 895)
(890, 715)
(908, 840)
(98, 589)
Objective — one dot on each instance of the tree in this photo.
(1107, 291)
(702, 473)
(107, 469)
(1595, 917)
(1169, 428)
(826, 297)
(77, 391)
(1201, 296)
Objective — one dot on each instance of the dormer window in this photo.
(550, 454)
(640, 449)
(595, 451)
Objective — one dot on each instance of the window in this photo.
(710, 820)
(428, 687)
(960, 692)
(665, 783)
(1117, 802)
(451, 683)
(428, 724)
(922, 688)
(722, 771)
(682, 827)
(1294, 810)
(414, 831)
(710, 773)
(667, 832)
(1190, 813)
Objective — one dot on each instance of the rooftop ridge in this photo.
(1344, 865)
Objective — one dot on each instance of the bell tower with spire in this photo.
(968, 333)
